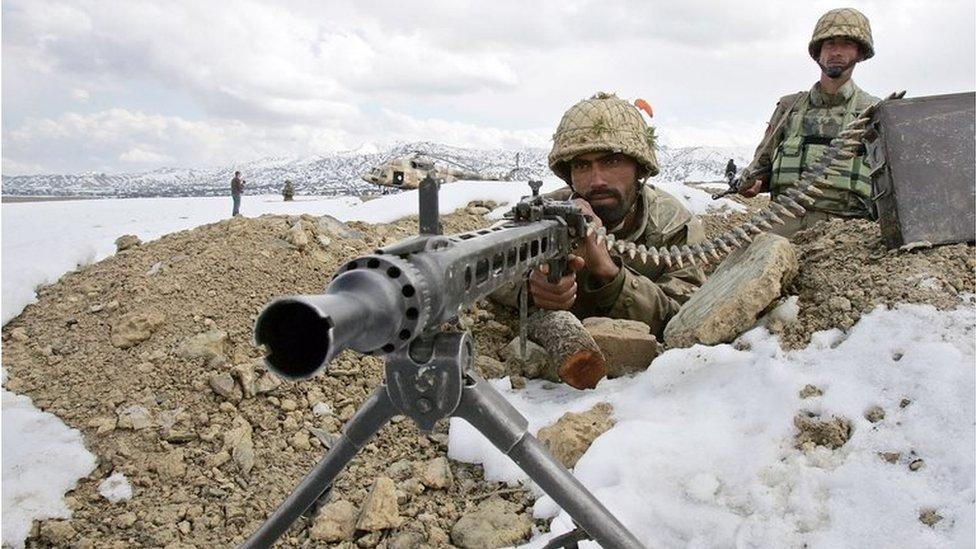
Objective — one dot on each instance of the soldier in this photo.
(730, 170)
(803, 124)
(288, 191)
(236, 191)
(604, 150)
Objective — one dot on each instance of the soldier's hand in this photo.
(559, 296)
(751, 190)
(598, 261)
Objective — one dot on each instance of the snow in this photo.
(115, 488)
(42, 459)
(701, 454)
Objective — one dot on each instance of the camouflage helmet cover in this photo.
(842, 22)
(603, 122)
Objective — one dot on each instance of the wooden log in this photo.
(578, 358)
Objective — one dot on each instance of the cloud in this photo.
(80, 95)
(139, 155)
(92, 85)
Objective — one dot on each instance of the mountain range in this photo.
(338, 173)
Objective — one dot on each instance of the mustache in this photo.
(603, 193)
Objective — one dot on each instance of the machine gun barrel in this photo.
(379, 303)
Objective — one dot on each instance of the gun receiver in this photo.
(379, 303)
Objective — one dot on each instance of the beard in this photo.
(611, 213)
(835, 70)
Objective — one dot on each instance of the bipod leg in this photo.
(374, 414)
(491, 414)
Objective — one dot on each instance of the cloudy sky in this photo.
(137, 85)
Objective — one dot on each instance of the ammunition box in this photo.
(924, 169)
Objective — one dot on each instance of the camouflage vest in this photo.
(808, 134)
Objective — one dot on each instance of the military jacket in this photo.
(799, 132)
(645, 292)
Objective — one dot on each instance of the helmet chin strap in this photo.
(836, 72)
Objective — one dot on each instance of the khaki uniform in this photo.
(799, 131)
(644, 292)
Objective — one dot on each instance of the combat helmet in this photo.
(844, 22)
(603, 122)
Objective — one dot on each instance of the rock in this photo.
(19, 334)
(478, 210)
(58, 533)
(810, 391)
(299, 441)
(134, 328)
(729, 302)
(517, 382)
(208, 345)
(329, 225)
(134, 417)
(916, 464)
(238, 443)
(223, 385)
(126, 241)
(400, 470)
(154, 270)
(266, 383)
(494, 523)
(890, 457)
(489, 367)
(874, 414)
(839, 303)
(437, 474)
(832, 432)
(537, 364)
(407, 540)
(628, 345)
(288, 405)
(572, 434)
(929, 516)
(170, 464)
(297, 237)
(335, 521)
(322, 409)
(380, 510)
(246, 378)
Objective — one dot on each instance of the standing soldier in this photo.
(730, 170)
(604, 150)
(288, 191)
(804, 123)
(236, 190)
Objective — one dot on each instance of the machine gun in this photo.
(394, 303)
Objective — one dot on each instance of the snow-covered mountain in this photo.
(338, 173)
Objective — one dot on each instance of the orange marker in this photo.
(644, 106)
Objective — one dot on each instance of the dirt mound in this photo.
(149, 353)
(846, 271)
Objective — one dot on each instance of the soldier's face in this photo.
(838, 55)
(608, 181)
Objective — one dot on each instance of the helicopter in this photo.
(406, 172)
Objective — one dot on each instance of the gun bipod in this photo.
(433, 379)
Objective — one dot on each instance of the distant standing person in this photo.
(730, 170)
(288, 191)
(236, 190)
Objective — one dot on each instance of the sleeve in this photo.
(636, 297)
(762, 162)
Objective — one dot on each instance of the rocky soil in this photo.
(149, 353)
(846, 271)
